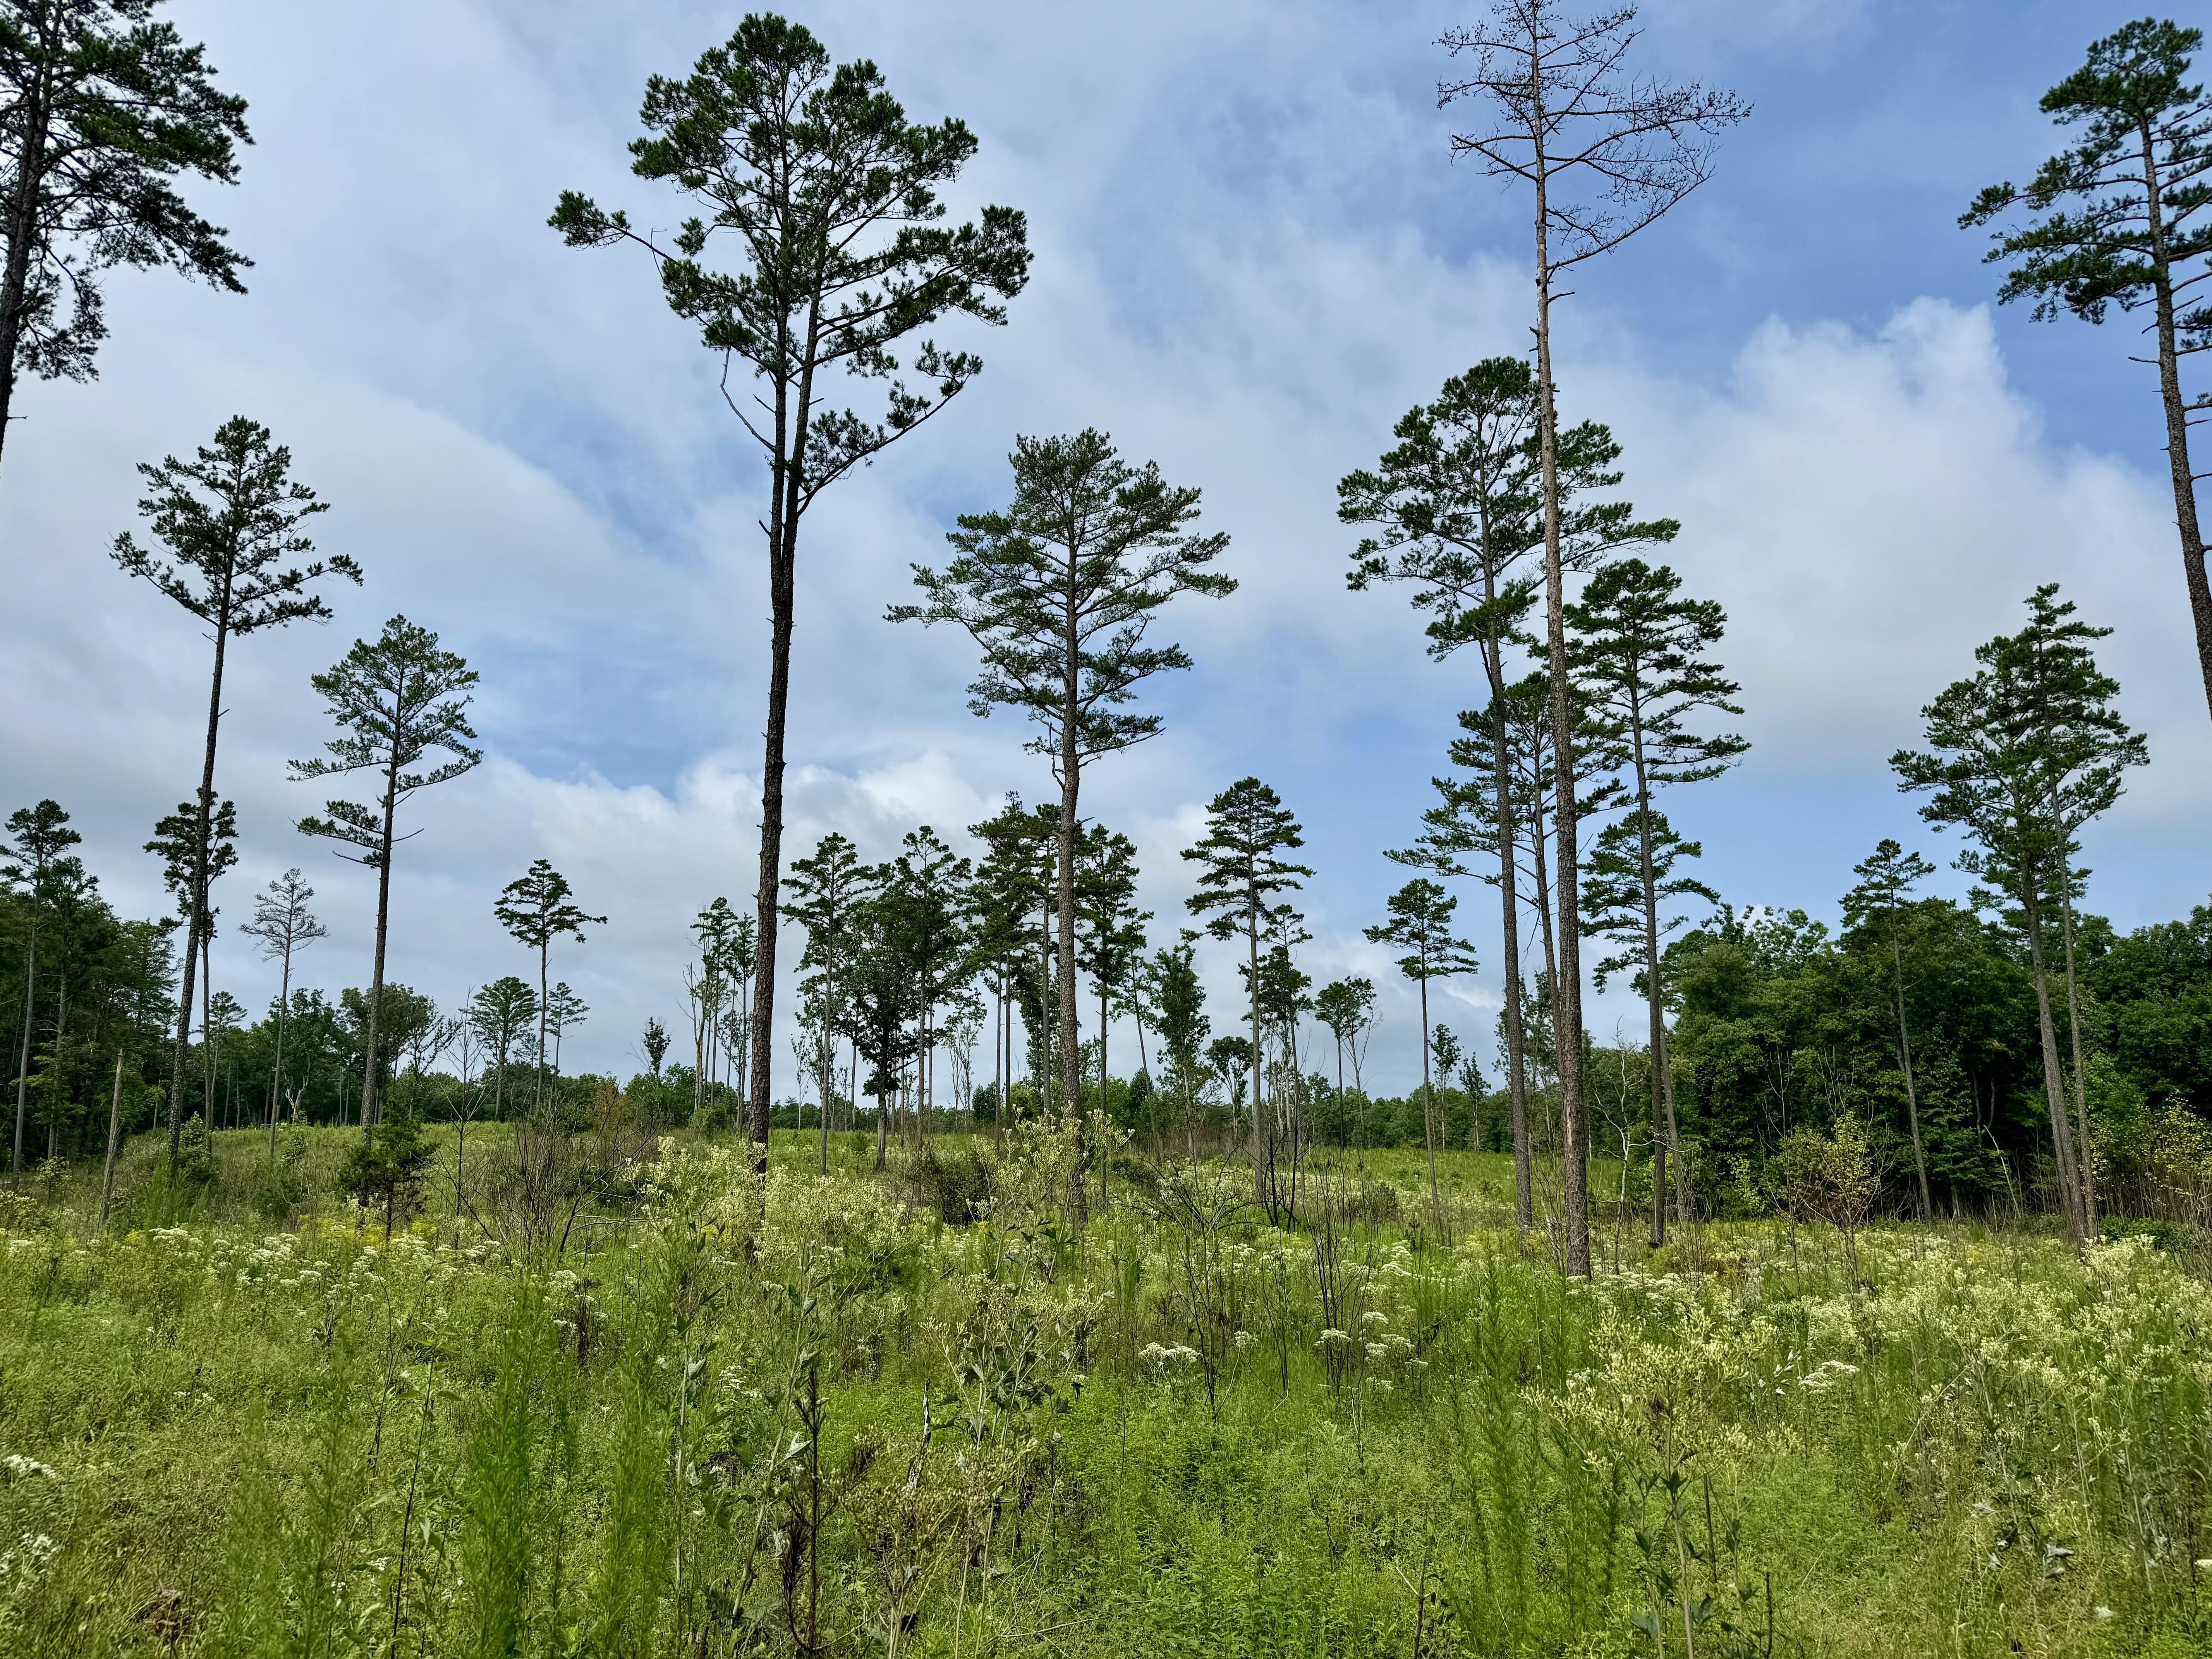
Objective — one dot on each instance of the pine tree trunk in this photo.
(368, 1067)
(2086, 1148)
(115, 1139)
(1071, 782)
(23, 1058)
(1904, 1054)
(196, 901)
(277, 1074)
(1516, 1065)
(1428, 1101)
(22, 230)
(786, 497)
(2177, 420)
(1260, 1192)
(1566, 989)
(2062, 1140)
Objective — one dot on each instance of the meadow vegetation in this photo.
(915, 1412)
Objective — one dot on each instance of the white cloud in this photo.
(1249, 264)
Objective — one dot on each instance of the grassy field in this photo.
(826, 1419)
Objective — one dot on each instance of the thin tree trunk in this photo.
(2086, 1148)
(785, 502)
(1103, 1076)
(2062, 1140)
(114, 1138)
(1904, 1054)
(1071, 1059)
(2177, 420)
(1516, 1068)
(1566, 989)
(276, 1084)
(1429, 1099)
(821, 1077)
(1260, 1172)
(23, 1058)
(383, 923)
(196, 921)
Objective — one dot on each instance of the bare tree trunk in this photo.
(2087, 1149)
(23, 1058)
(277, 1075)
(368, 1112)
(1428, 1101)
(1904, 1054)
(2062, 1140)
(1071, 1059)
(785, 499)
(115, 1139)
(196, 920)
(1516, 1065)
(1260, 1172)
(1566, 988)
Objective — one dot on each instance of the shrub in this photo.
(950, 1177)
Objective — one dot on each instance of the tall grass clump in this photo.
(656, 1406)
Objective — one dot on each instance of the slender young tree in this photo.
(102, 110)
(831, 197)
(1639, 649)
(2092, 747)
(722, 936)
(1884, 887)
(1635, 871)
(1346, 1006)
(536, 908)
(1604, 154)
(284, 925)
(2123, 224)
(1184, 1022)
(499, 1013)
(1059, 590)
(825, 889)
(879, 1001)
(394, 701)
(564, 1010)
(936, 881)
(1009, 887)
(1457, 511)
(1515, 730)
(1109, 935)
(229, 520)
(1419, 923)
(2028, 743)
(653, 1043)
(1241, 871)
(37, 851)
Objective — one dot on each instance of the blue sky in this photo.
(1253, 254)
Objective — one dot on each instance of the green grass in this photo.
(839, 1423)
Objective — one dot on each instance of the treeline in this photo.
(1999, 1047)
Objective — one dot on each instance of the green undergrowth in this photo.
(816, 1417)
